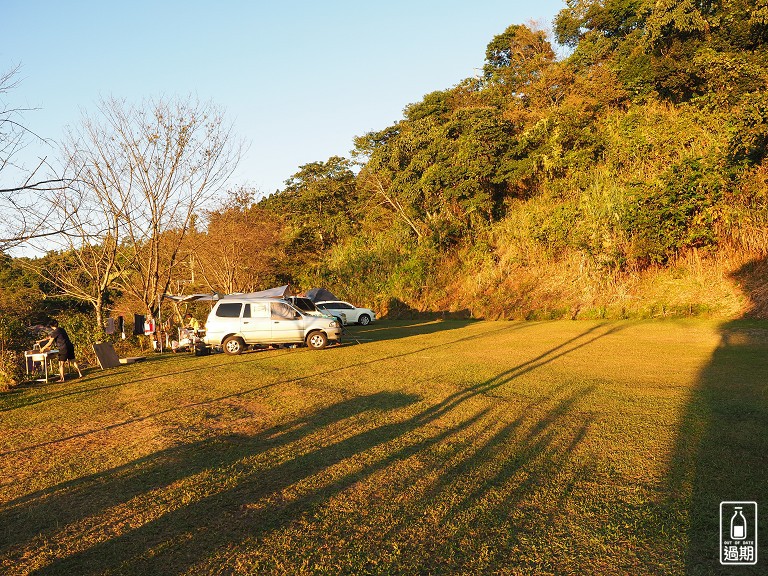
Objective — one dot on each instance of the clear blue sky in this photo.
(299, 80)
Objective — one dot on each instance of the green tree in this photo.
(319, 206)
(517, 58)
(679, 49)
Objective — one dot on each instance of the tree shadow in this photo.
(93, 383)
(71, 502)
(721, 452)
(181, 508)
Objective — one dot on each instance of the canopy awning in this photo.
(279, 292)
(192, 297)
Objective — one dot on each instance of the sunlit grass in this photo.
(434, 447)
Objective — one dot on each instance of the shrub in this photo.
(83, 332)
(11, 369)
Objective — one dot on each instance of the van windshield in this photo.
(304, 304)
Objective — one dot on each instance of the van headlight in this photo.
(333, 324)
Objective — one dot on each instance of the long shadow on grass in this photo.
(395, 329)
(721, 452)
(356, 365)
(175, 509)
(386, 330)
(73, 501)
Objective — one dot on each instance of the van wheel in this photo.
(364, 320)
(317, 340)
(233, 345)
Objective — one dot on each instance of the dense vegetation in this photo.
(627, 179)
(559, 187)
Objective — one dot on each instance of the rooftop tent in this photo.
(320, 295)
(279, 292)
(192, 297)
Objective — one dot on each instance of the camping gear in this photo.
(138, 324)
(201, 349)
(320, 295)
(279, 292)
(36, 359)
(108, 358)
(192, 297)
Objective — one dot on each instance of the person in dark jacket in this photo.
(60, 339)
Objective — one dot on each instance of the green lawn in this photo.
(415, 448)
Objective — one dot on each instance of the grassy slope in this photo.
(446, 447)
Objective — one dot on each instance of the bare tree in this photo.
(85, 263)
(143, 174)
(21, 214)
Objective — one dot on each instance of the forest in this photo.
(613, 168)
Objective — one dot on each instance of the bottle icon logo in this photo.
(738, 525)
(738, 533)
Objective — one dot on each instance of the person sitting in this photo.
(191, 323)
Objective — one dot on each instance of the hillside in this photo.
(626, 180)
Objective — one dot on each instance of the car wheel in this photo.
(364, 320)
(317, 340)
(233, 345)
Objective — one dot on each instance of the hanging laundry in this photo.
(138, 324)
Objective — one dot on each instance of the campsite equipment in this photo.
(108, 358)
(320, 295)
(38, 360)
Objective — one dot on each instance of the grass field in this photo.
(450, 447)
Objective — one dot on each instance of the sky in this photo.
(297, 79)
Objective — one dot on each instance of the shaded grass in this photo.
(419, 448)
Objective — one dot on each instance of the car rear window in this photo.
(229, 310)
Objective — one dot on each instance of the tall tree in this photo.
(241, 247)
(319, 204)
(517, 57)
(148, 170)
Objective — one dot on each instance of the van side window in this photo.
(247, 311)
(282, 311)
(229, 310)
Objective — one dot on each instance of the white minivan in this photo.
(236, 322)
